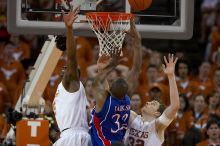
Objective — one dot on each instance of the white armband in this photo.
(164, 120)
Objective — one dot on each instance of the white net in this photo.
(110, 29)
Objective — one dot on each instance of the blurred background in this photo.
(197, 74)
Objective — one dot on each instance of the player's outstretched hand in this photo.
(134, 33)
(70, 18)
(169, 66)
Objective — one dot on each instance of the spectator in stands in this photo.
(215, 39)
(185, 85)
(22, 47)
(84, 55)
(213, 134)
(4, 127)
(197, 118)
(88, 89)
(213, 101)
(215, 65)
(216, 80)
(136, 103)
(178, 128)
(127, 52)
(146, 57)
(159, 92)
(3, 5)
(2, 120)
(156, 59)
(203, 83)
(3, 106)
(3, 11)
(3, 98)
(4, 39)
(152, 78)
(208, 12)
(12, 73)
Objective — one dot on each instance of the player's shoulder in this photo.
(133, 117)
(71, 90)
(134, 114)
(127, 98)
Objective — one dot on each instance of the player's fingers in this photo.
(74, 18)
(175, 60)
(169, 57)
(163, 67)
(172, 57)
(129, 33)
(165, 60)
(63, 13)
(77, 9)
(99, 2)
(132, 23)
(132, 27)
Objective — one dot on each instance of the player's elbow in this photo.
(175, 107)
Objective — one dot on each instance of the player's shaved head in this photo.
(119, 88)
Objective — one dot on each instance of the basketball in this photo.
(140, 4)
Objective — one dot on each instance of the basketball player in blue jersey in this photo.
(112, 112)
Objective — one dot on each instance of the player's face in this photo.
(151, 108)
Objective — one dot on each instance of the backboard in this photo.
(167, 19)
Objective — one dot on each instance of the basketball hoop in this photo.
(110, 28)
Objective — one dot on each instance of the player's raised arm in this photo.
(99, 90)
(170, 112)
(71, 76)
(133, 75)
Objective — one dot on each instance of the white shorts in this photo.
(74, 137)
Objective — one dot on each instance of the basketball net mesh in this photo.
(110, 31)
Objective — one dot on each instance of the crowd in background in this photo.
(199, 92)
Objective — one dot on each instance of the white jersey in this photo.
(142, 134)
(71, 117)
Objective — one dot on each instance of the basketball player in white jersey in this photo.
(148, 129)
(70, 101)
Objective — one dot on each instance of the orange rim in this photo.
(113, 15)
(106, 18)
